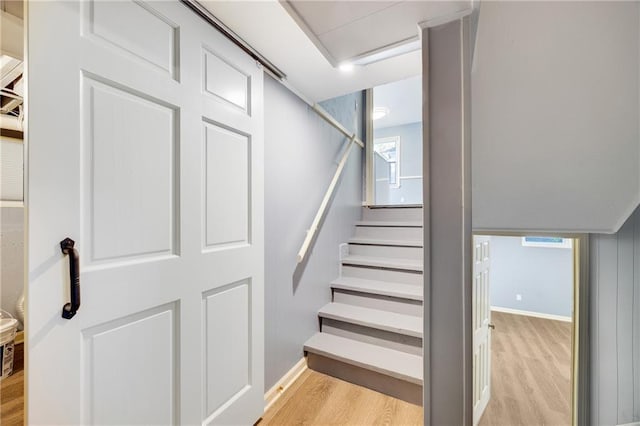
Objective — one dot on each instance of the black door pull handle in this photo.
(70, 309)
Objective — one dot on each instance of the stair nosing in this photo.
(390, 322)
(393, 206)
(377, 287)
(386, 243)
(389, 224)
(364, 363)
(383, 262)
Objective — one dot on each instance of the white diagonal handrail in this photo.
(329, 119)
(325, 201)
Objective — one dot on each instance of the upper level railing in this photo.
(353, 139)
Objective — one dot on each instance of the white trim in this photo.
(401, 47)
(10, 203)
(283, 384)
(531, 314)
(440, 20)
(369, 184)
(626, 215)
(630, 424)
(401, 178)
(396, 140)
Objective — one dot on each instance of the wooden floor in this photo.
(314, 399)
(531, 379)
(530, 372)
(318, 399)
(12, 392)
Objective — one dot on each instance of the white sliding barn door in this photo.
(481, 330)
(145, 141)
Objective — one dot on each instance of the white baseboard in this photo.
(283, 384)
(531, 314)
(631, 424)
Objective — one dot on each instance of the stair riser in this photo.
(389, 233)
(382, 275)
(401, 214)
(379, 382)
(392, 252)
(374, 301)
(398, 342)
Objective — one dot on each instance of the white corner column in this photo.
(447, 209)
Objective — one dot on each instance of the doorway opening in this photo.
(12, 214)
(394, 147)
(524, 316)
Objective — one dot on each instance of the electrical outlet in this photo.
(519, 297)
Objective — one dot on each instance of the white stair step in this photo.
(382, 288)
(400, 365)
(381, 262)
(390, 252)
(393, 206)
(407, 325)
(389, 275)
(383, 242)
(390, 233)
(397, 213)
(390, 223)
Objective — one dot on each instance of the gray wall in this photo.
(12, 256)
(301, 155)
(410, 191)
(542, 276)
(555, 116)
(447, 218)
(555, 147)
(615, 325)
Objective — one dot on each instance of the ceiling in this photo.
(11, 67)
(403, 99)
(13, 7)
(345, 31)
(308, 39)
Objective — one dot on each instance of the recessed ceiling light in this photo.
(346, 67)
(379, 112)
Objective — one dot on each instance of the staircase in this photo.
(371, 332)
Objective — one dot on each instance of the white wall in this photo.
(543, 277)
(11, 223)
(11, 169)
(555, 116)
(301, 155)
(12, 257)
(615, 325)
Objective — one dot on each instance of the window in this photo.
(389, 150)
(553, 242)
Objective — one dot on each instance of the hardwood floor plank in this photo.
(310, 399)
(286, 396)
(12, 392)
(530, 372)
(318, 399)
